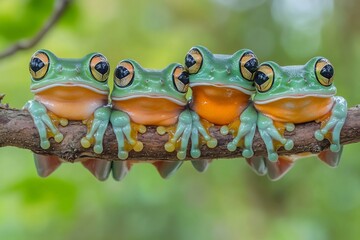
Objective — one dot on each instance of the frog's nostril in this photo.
(59, 68)
(228, 70)
(78, 69)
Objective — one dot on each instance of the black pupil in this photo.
(102, 67)
(251, 65)
(36, 64)
(260, 78)
(327, 71)
(189, 60)
(121, 72)
(184, 78)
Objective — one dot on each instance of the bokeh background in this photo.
(229, 201)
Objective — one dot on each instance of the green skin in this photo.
(68, 71)
(290, 81)
(150, 83)
(224, 70)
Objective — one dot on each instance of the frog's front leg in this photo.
(198, 130)
(331, 128)
(44, 123)
(178, 139)
(269, 133)
(126, 133)
(96, 129)
(200, 135)
(246, 131)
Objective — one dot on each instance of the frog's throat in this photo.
(221, 85)
(69, 84)
(174, 100)
(274, 99)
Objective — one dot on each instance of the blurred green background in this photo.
(229, 201)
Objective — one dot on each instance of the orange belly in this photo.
(297, 110)
(218, 105)
(150, 111)
(72, 103)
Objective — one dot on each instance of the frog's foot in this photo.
(331, 158)
(278, 169)
(120, 169)
(257, 164)
(96, 129)
(98, 167)
(45, 123)
(179, 135)
(46, 164)
(126, 133)
(201, 165)
(270, 134)
(243, 132)
(331, 127)
(167, 168)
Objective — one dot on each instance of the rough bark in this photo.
(17, 129)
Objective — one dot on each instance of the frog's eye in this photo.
(264, 78)
(124, 74)
(248, 65)
(181, 79)
(99, 67)
(39, 65)
(324, 72)
(193, 61)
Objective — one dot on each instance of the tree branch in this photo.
(17, 129)
(59, 8)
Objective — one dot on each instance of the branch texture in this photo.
(17, 129)
(59, 9)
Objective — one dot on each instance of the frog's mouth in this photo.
(220, 85)
(293, 96)
(174, 100)
(36, 90)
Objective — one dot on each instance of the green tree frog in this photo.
(150, 97)
(221, 86)
(69, 89)
(290, 95)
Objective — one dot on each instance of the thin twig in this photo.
(59, 9)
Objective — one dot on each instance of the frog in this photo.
(289, 95)
(222, 86)
(142, 97)
(69, 89)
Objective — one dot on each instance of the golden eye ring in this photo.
(264, 78)
(248, 65)
(324, 72)
(193, 61)
(124, 74)
(99, 67)
(39, 65)
(180, 79)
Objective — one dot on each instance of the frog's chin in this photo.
(293, 96)
(134, 96)
(36, 90)
(221, 85)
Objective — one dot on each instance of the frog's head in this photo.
(48, 71)
(133, 81)
(274, 82)
(231, 71)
